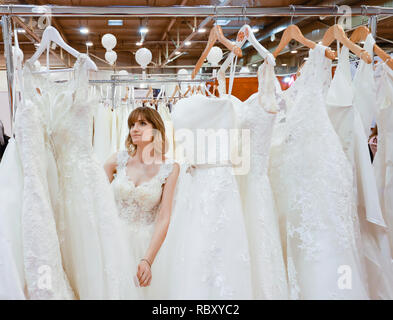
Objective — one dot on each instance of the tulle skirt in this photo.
(206, 252)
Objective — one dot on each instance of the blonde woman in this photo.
(144, 184)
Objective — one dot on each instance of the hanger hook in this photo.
(244, 10)
(215, 15)
(364, 7)
(293, 8)
(335, 17)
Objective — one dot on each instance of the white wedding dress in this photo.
(138, 206)
(312, 184)
(93, 248)
(344, 101)
(102, 132)
(12, 279)
(257, 114)
(383, 161)
(206, 250)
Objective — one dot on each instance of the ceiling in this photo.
(165, 34)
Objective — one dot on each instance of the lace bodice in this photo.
(258, 115)
(65, 111)
(138, 205)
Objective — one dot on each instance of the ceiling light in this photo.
(177, 52)
(222, 22)
(143, 30)
(89, 43)
(115, 22)
(293, 51)
(20, 30)
(187, 43)
(139, 43)
(202, 30)
(255, 29)
(284, 65)
(84, 30)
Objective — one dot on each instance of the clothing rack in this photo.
(188, 11)
(121, 80)
(7, 11)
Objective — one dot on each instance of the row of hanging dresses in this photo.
(68, 213)
(257, 116)
(110, 126)
(313, 186)
(350, 107)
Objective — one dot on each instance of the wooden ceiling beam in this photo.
(171, 22)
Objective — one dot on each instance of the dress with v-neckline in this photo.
(138, 207)
(138, 204)
(143, 182)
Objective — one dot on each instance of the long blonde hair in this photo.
(153, 117)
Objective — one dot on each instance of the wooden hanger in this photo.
(177, 90)
(215, 87)
(360, 34)
(188, 90)
(149, 93)
(215, 34)
(293, 32)
(336, 32)
(126, 96)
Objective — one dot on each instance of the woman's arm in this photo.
(161, 226)
(110, 167)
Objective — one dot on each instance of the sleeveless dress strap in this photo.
(165, 170)
(122, 158)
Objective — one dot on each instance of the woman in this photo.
(373, 142)
(3, 140)
(144, 184)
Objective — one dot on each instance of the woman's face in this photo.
(141, 131)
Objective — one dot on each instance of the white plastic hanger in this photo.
(246, 34)
(52, 35)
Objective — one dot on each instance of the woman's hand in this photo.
(144, 273)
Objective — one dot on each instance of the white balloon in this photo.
(215, 56)
(111, 56)
(182, 74)
(109, 41)
(143, 57)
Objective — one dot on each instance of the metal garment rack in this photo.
(122, 80)
(7, 11)
(187, 11)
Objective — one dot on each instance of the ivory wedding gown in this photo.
(206, 250)
(312, 184)
(344, 101)
(257, 114)
(12, 279)
(383, 161)
(138, 206)
(93, 248)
